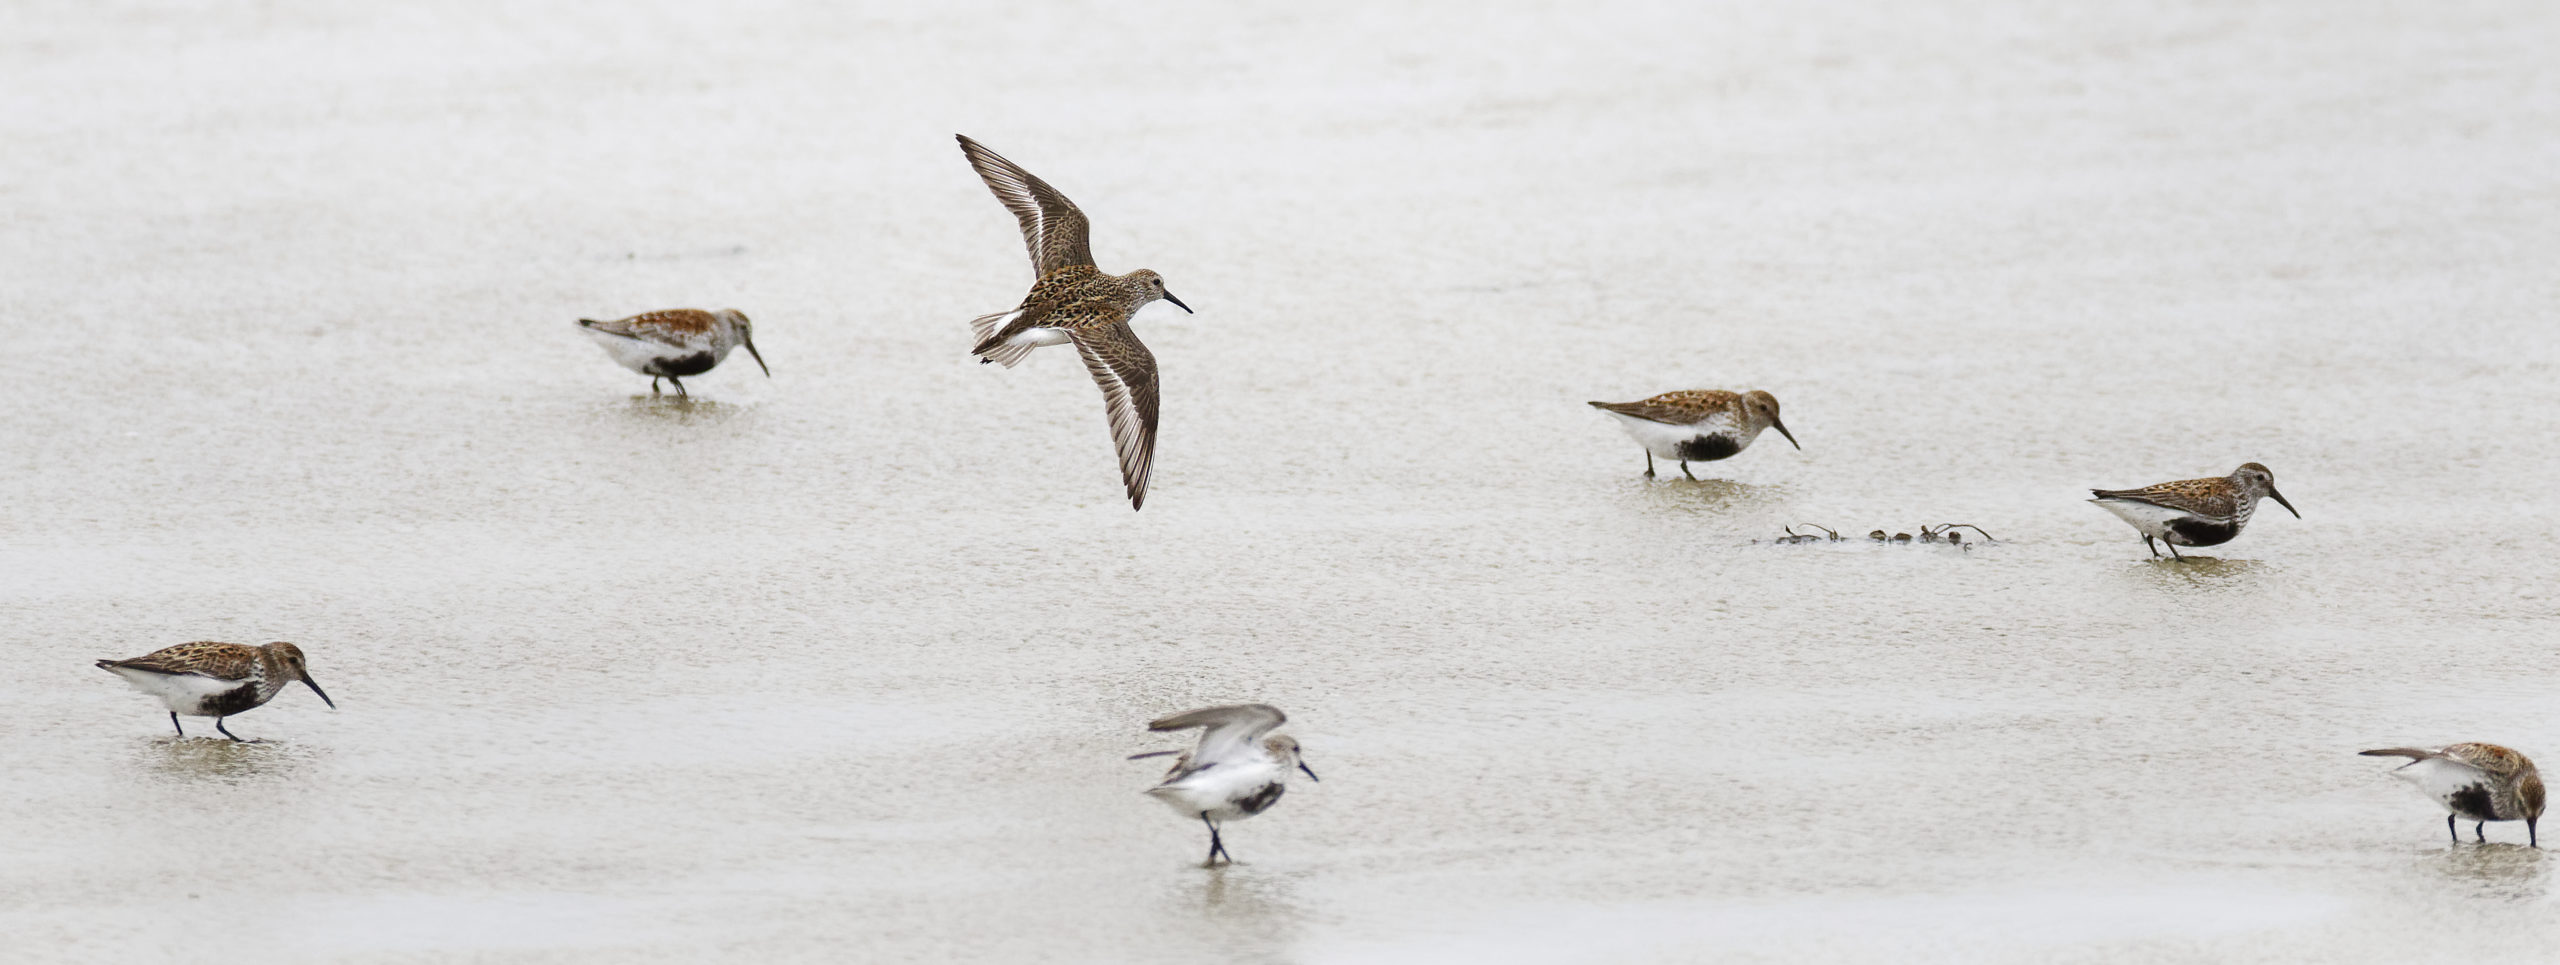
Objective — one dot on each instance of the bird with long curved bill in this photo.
(2194, 512)
(216, 680)
(2474, 782)
(1697, 425)
(676, 343)
(1074, 303)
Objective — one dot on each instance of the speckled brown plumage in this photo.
(1685, 407)
(1073, 301)
(2214, 497)
(220, 661)
(674, 327)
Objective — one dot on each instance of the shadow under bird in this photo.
(2474, 782)
(1698, 425)
(1073, 302)
(1233, 773)
(2194, 512)
(675, 343)
(216, 680)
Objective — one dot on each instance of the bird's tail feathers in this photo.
(1007, 354)
(986, 326)
(2412, 753)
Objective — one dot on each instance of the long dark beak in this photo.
(1141, 757)
(2288, 507)
(1177, 303)
(1311, 775)
(315, 688)
(759, 356)
(1782, 430)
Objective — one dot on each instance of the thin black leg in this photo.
(653, 386)
(2531, 838)
(1684, 470)
(2448, 829)
(173, 722)
(2147, 544)
(1216, 847)
(226, 732)
(2477, 833)
(1648, 464)
(2173, 550)
(679, 384)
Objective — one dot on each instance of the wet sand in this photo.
(842, 665)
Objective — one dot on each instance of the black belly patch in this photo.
(2473, 802)
(1707, 449)
(236, 700)
(1262, 800)
(683, 365)
(2191, 531)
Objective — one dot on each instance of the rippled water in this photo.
(843, 664)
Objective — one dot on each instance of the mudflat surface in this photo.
(842, 665)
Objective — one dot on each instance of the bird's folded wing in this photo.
(2487, 757)
(1052, 228)
(1126, 371)
(2192, 496)
(677, 327)
(221, 661)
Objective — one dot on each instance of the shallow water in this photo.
(842, 664)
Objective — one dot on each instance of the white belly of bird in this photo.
(632, 353)
(1036, 337)
(2149, 519)
(2441, 779)
(1664, 440)
(1218, 790)
(184, 693)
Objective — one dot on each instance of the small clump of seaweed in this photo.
(1937, 533)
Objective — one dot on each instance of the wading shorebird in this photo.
(2194, 512)
(1071, 301)
(675, 343)
(216, 680)
(1701, 425)
(2474, 782)
(1233, 773)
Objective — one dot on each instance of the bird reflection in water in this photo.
(229, 762)
(2500, 871)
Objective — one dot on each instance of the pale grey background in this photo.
(842, 665)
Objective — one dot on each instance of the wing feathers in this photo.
(1052, 227)
(1126, 371)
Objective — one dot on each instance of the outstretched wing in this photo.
(1127, 373)
(1051, 226)
(1229, 730)
(675, 327)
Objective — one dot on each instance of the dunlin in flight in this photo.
(1233, 773)
(215, 680)
(2194, 512)
(1071, 301)
(1701, 425)
(2474, 782)
(675, 343)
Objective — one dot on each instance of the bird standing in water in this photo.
(216, 680)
